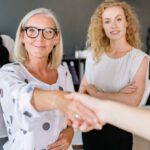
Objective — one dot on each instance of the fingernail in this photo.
(95, 120)
(98, 126)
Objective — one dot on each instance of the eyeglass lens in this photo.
(33, 32)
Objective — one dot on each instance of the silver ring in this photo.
(62, 146)
(77, 116)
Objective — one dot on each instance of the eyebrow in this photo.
(115, 17)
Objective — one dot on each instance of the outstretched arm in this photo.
(44, 100)
(129, 118)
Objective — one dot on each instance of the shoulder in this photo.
(89, 58)
(63, 70)
(137, 52)
(63, 73)
(11, 67)
(89, 55)
(137, 55)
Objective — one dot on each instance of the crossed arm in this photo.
(131, 94)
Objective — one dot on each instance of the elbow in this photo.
(135, 101)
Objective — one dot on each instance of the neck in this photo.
(121, 45)
(36, 65)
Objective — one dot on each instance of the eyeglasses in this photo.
(48, 33)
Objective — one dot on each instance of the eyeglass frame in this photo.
(38, 29)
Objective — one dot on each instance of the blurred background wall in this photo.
(73, 15)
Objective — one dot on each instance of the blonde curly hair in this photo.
(97, 40)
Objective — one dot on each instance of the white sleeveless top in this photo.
(112, 74)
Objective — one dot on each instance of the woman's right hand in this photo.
(129, 88)
(86, 104)
(73, 109)
(79, 114)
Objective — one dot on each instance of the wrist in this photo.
(54, 97)
(109, 111)
(103, 110)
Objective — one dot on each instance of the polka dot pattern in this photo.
(24, 119)
(1, 92)
(11, 119)
(28, 114)
(61, 88)
(29, 89)
(24, 131)
(46, 126)
(26, 80)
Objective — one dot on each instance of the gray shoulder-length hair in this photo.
(20, 53)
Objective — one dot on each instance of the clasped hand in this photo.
(82, 113)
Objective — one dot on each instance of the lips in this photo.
(115, 32)
(39, 46)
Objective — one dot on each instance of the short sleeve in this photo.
(137, 58)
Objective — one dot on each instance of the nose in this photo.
(40, 36)
(113, 24)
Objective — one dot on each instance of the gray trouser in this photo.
(2, 141)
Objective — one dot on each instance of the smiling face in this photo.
(114, 23)
(39, 47)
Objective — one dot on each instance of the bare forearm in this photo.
(43, 100)
(130, 99)
(132, 119)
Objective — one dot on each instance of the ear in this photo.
(22, 35)
(57, 39)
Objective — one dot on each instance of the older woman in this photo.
(32, 87)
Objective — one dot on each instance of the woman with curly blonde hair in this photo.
(119, 68)
(97, 39)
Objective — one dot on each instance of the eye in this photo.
(119, 19)
(48, 31)
(106, 22)
(32, 30)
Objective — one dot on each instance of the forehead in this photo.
(41, 21)
(113, 12)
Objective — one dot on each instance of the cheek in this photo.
(28, 43)
(124, 28)
(106, 27)
(26, 40)
(56, 39)
(53, 42)
(50, 44)
(106, 30)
